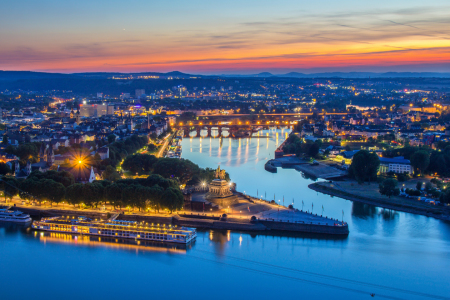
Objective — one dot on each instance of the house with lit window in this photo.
(397, 165)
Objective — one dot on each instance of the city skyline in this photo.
(225, 38)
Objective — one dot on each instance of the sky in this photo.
(225, 37)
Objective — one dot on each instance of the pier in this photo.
(268, 219)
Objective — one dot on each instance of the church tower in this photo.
(78, 118)
(50, 156)
(42, 152)
(17, 170)
(28, 169)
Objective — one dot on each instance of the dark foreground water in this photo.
(392, 254)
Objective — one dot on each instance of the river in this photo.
(392, 254)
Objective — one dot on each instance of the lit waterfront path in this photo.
(264, 210)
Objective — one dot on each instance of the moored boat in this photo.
(13, 216)
(118, 228)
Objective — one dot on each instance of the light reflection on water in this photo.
(384, 247)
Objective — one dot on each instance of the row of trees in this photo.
(119, 150)
(153, 192)
(295, 145)
(182, 170)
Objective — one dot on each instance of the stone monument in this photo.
(219, 189)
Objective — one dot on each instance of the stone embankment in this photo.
(437, 212)
(317, 170)
(317, 225)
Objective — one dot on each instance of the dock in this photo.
(262, 220)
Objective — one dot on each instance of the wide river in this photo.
(391, 254)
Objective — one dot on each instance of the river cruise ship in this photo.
(13, 216)
(118, 229)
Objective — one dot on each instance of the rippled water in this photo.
(403, 254)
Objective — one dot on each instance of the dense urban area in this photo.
(91, 140)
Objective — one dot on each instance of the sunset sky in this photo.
(225, 37)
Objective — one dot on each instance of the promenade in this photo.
(369, 194)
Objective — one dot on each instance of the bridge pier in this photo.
(185, 132)
(198, 129)
(220, 131)
(209, 132)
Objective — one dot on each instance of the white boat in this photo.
(118, 229)
(13, 216)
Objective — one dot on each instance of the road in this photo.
(164, 146)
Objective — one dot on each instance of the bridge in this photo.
(241, 122)
(233, 127)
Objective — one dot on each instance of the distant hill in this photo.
(21, 75)
(18, 75)
(350, 75)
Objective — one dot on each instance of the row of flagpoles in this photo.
(312, 204)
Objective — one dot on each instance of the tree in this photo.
(111, 138)
(445, 197)
(114, 194)
(364, 166)
(63, 177)
(52, 191)
(5, 140)
(389, 188)
(151, 147)
(313, 149)
(4, 169)
(172, 199)
(10, 185)
(173, 168)
(139, 163)
(97, 157)
(93, 193)
(74, 194)
(110, 174)
(419, 186)
(420, 160)
(153, 136)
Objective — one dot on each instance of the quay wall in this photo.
(199, 222)
(304, 227)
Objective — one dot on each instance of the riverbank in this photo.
(286, 220)
(316, 170)
(367, 195)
